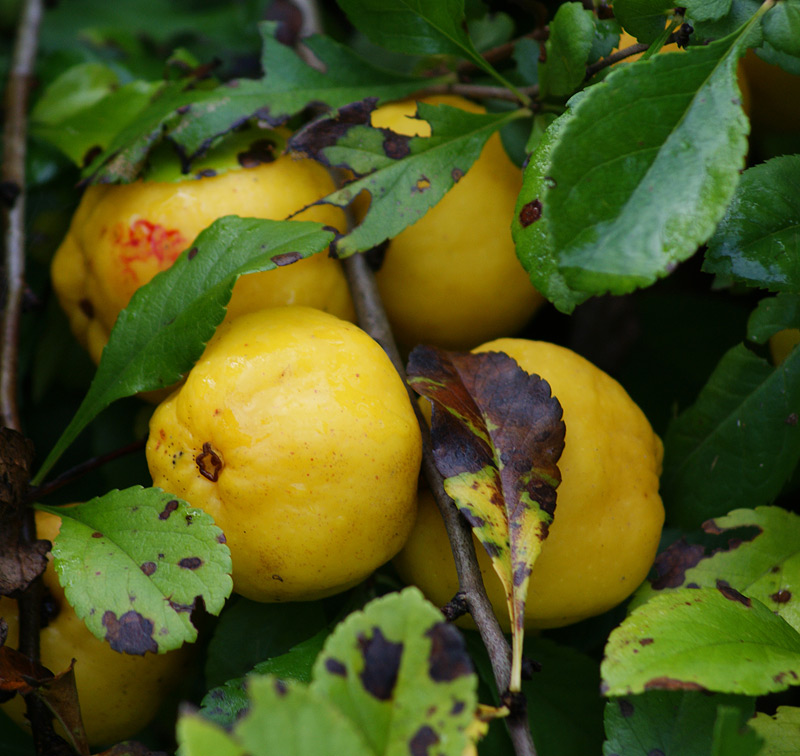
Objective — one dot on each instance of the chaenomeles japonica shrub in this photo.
(582, 225)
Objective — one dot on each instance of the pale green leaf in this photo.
(781, 732)
(701, 639)
(133, 564)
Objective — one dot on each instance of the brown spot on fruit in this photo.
(335, 667)
(171, 506)
(781, 597)
(448, 658)
(87, 308)
(530, 213)
(148, 568)
(261, 151)
(143, 240)
(287, 258)
(191, 563)
(209, 463)
(130, 634)
(422, 741)
(381, 664)
(731, 593)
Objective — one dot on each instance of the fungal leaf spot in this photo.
(448, 658)
(381, 664)
(530, 213)
(130, 634)
(497, 435)
(422, 741)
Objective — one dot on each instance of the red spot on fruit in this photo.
(143, 240)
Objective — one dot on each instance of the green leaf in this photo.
(226, 704)
(707, 10)
(248, 632)
(701, 639)
(644, 19)
(530, 229)
(605, 38)
(401, 675)
(782, 27)
(491, 30)
(163, 330)
(645, 167)
(526, 56)
(731, 738)
(572, 32)
(738, 444)
(133, 564)
(740, 12)
(405, 175)
(416, 27)
(497, 435)
(758, 240)
(664, 721)
(292, 720)
(765, 567)
(781, 732)
(77, 89)
(773, 314)
(193, 116)
(199, 737)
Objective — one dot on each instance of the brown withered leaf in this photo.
(20, 563)
(18, 674)
(497, 434)
(61, 696)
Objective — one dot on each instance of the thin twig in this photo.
(71, 475)
(372, 318)
(12, 287)
(619, 55)
(481, 92)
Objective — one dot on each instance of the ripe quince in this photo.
(118, 693)
(453, 278)
(296, 434)
(122, 235)
(608, 515)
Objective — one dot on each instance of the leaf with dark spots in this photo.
(497, 435)
(398, 656)
(389, 165)
(448, 658)
(423, 739)
(781, 597)
(701, 639)
(760, 560)
(381, 664)
(167, 568)
(732, 594)
(20, 562)
(530, 213)
(626, 708)
(260, 152)
(130, 634)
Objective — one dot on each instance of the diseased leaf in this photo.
(192, 117)
(765, 567)
(772, 315)
(497, 435)
(398, 655)
(645, 167)
(644, 19)
(758, 240)
(664, 721)
(781, 732)
(572, 32)
(199, 737)
(701, 639)
(404, 175)
(164, 554)
(164, 328)
(20, 561)
(739, 442)
(530, 229)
